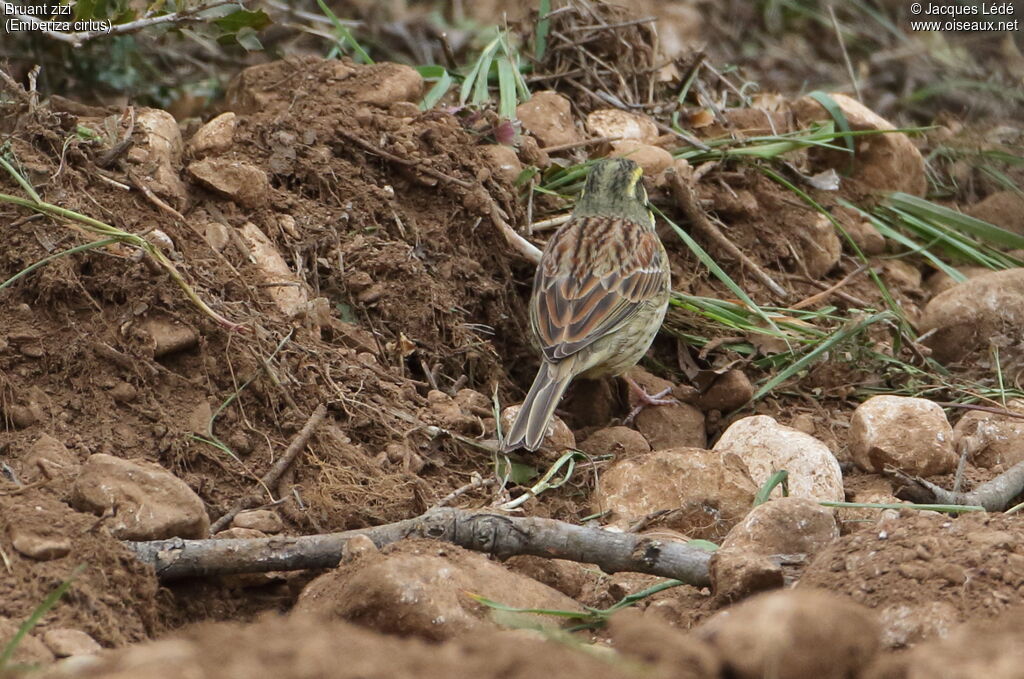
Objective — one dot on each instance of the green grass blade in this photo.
(343, 34)
(833, 109)
(957, 221)
(540, 41)
(480, 70)
(821, 349)
(506, 89)
(63, 253)
(716, 270)
(948, 509)
(481, 93)
(42, 609)
(765, 491)
(22, 182)
(437, 92)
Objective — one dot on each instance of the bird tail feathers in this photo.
(531, 423)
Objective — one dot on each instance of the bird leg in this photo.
(646, 400)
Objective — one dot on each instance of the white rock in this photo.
(998, 440)
(911, 434)
(558, 438)
(264, 520)
(767, 447)
(611, 122)
(285, 289)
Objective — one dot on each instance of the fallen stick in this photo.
(994, 496)
(687, 201)
(497, 534)
(524, 247)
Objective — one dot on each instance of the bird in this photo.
(599, 297)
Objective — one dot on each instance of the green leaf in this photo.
(540, 41)
(90, 9)
(243, 18)
(506, 90)
(526, 175)
(246, 37)
(432, 71)
(437, 92)
(705, 545)
(765, 491)
(834, 110)
(516, 472)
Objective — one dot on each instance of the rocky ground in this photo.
(353, 300)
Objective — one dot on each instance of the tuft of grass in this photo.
(501, 58)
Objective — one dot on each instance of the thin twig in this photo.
(550, 223)
(270, 479)
(153, 198)
(621, 24)
(477, 482)
(688, 203)
(984, 409)
(579, 144)
(994, 496)
(688, 138)
(408, 162)
(818, 296)
(521, 245)
(846, 56)
(966, 447)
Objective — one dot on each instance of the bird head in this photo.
(615, 188)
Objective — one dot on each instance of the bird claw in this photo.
(646, 400)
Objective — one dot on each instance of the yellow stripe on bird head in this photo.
(614, 189)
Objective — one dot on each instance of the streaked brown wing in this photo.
(593, 276)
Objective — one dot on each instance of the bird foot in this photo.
(646, 400)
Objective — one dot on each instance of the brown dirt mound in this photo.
(926, 572)
(412, 293)
(112, 598)
(307, 647)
